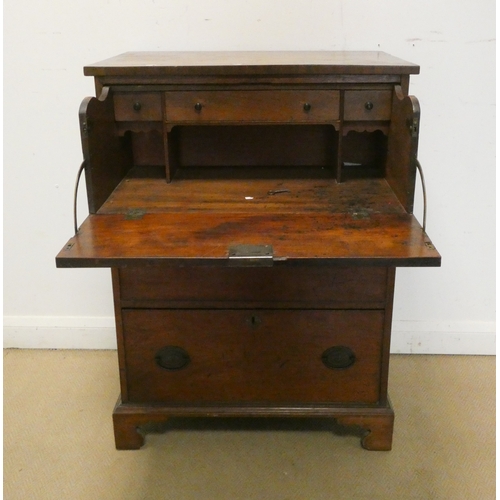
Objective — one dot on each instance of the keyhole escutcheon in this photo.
(254, 321)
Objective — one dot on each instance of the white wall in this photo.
(46, 44)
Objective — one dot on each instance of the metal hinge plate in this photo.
(251, 255)
(414, 128)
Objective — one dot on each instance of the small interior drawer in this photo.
(367, 105)
(252, 356)
(138, 106)
(247, 106)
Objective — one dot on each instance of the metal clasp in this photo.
(251, 255)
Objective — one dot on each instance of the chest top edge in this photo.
(239, 63)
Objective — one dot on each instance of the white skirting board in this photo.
(426, 337)
(408, 337)
(49, 332)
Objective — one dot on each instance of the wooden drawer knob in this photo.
(198, 106)
(338, 357)
(137, 106)
(307, 107)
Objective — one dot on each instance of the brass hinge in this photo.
(414, 127)
(135, 214)
(251, 255)
(86, 128)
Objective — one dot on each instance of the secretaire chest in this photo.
(253, 208)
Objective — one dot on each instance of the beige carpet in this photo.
(58, 440)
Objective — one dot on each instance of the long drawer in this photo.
(273, 287)
(246, 106)
(201, 356)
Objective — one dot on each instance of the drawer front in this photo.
(252, 356)
(246, 106)
(138, 106)
(367, 105)
(276, 286)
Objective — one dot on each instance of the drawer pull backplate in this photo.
(172, 358)
(338, 357)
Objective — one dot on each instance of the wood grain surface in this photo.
(246, 190)
(234, 359)
(231, 287)
(247, 106)
(255, 63)
(205, 238)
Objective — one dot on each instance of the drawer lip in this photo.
(150, 102)
(355, 100)
(252, 106)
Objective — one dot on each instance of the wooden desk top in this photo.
(251, 63)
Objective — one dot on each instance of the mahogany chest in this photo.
(253, 208)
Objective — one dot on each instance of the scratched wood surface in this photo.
(206, 190)
(205, 237)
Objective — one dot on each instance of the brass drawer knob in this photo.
(137, 106)
(338, 357)
(172, 358)
(198, 106)
(307, 107)
(368, 105)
